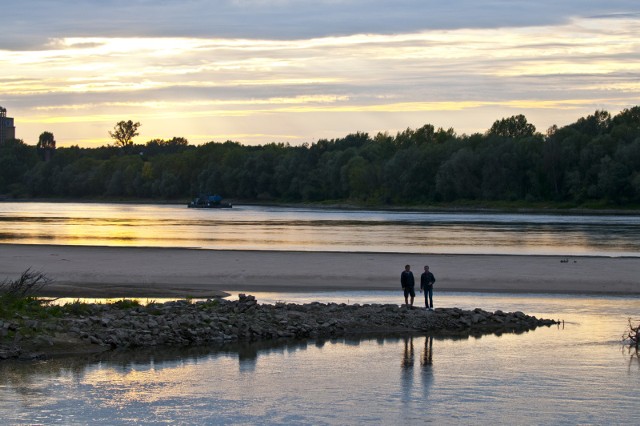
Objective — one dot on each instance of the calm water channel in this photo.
(579, 373)
(273, 228)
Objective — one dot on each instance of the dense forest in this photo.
(594, 161)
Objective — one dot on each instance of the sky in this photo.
(296, 71)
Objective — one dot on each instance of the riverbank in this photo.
(596, 208)
(115, 272)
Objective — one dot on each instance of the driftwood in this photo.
(632, 335)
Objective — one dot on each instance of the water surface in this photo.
(579, 373)
(275, 228)
(576, 373)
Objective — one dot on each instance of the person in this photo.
(408, 284)
(426, 283)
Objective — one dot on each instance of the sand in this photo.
(113, 272)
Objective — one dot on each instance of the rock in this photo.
(182, 323)
(44, 340)
(30, 356)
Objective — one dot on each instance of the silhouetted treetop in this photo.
(124, 132)
(513, 127)
(594, 161)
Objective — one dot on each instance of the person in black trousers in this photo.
(408, 285)
(426, 283)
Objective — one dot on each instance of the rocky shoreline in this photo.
(97, 328)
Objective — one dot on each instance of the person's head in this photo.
(407, 267)
(426, 268)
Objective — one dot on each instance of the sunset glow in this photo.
(261, 89)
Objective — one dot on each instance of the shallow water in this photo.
(579, 373)
(576, 373)
(274, 228)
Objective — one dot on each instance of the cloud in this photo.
(32, 22)
(311, 69)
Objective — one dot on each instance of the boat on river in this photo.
(209, 202)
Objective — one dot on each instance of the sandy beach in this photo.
(113, 272)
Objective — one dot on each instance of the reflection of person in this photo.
(408, 284)
(426, 283)
(407, 356)
(427, 355)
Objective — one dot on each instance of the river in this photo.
(280, 228)
(576, 373)
(579, 372)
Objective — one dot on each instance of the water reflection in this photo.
(374, 379)
(264, 228)
(24, 376)
(427, 353)
(416, 399)
(634, 356)
(407, 357)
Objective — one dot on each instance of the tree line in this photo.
(595, 160)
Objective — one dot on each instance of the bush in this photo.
(76, 308)
(29, 283)
(126, 304)
(18, 296)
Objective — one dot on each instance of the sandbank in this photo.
(114, 272)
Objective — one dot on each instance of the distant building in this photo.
(7, 129)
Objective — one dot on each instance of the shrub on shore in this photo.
(18, 296)
(632, 336)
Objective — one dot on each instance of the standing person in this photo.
(408, 284)
(426, 283)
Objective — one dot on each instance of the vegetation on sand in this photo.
(18, 296)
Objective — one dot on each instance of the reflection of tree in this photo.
(632, 338)
(633, 354)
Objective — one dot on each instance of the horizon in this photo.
(284, 71)
(111, 143)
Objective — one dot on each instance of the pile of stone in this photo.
(181, 323)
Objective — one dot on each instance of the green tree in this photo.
(124, 132)
(46, 145)
(597, 158)
(16, 160)
(595, 124)
(512, 127)
(460, 176)
(161, 146)
(360, 179)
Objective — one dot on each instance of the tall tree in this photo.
(512, 127)
(124, 132)
(46, 145)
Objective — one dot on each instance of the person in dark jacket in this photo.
(408, 285)
(426, 283)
